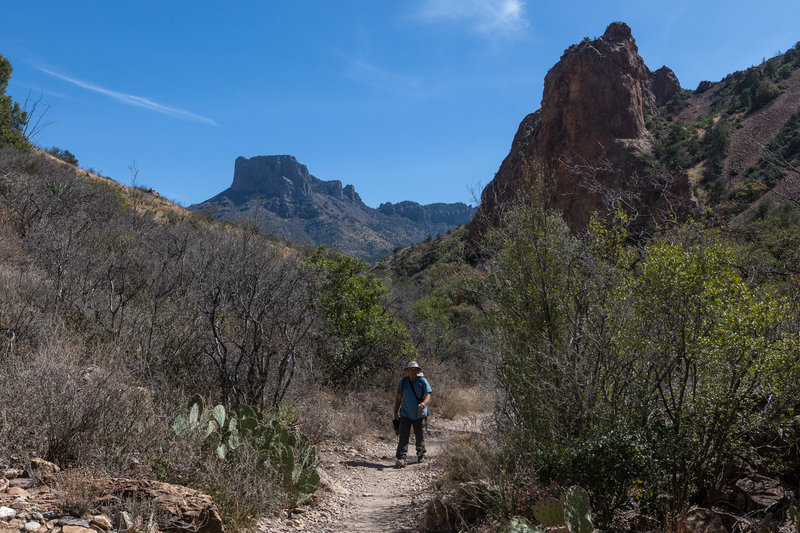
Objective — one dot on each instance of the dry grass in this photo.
(452, 396)
(460, 401)
(344, 416)
(465, 458)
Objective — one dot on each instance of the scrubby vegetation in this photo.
(651, 373)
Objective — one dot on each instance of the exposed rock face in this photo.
(703, 86)
(275, 175)
(591, 122)
(293, 204)
(664, 85)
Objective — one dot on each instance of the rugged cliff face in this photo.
(289, 202)
(590, 138)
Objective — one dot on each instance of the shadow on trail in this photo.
(366, 464)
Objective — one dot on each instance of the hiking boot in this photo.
(420, 458)
(401, 462)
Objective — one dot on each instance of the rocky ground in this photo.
(364, 491)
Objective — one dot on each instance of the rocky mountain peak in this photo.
(664, 85)
(592, 117)
(618, 32)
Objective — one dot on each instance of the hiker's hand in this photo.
(421, 407)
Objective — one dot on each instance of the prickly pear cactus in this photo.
(282, 449)
(577, 511)
(549, 512)
(520, 525)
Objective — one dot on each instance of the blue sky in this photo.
(415, 100)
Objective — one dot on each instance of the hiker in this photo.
(410, 409)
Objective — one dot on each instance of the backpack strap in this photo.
(413, 391)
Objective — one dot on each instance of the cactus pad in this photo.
(577, 511)
(549, 511)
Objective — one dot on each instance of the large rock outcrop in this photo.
(589, 137)
(276, 175)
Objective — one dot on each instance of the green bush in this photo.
(360, 336)
(13, 118)
(64, 155)
(607, 465)
(764, 94)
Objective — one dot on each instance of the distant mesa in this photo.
(290, 202)
(285, 177)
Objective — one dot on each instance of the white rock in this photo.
(7, 513)
(32, 526)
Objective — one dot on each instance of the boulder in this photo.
(101, 522)
(439, 517)
(465, 504)
(756, 492)
(183, 509)
(703, 86)
(44, 470)
(17, 491)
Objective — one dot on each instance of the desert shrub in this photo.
(81, 414)
(64, 155)
(345, 415)
(458, 394)
(716, 141)
(607, 465)
(362, 336)
(765, 93)
(460, 401)
(466, 457)
(256, 316)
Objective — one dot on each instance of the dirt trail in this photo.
(364, 492)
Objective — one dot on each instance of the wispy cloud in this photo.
(130, 99)
(383, 79)
(500, 18)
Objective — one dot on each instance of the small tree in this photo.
(64, 155)
(361, 335)
(13, 118)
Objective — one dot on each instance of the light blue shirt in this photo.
(408, 408)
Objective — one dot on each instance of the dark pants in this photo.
(405, 433)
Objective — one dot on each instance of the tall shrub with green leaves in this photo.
(12, 117)
(361, 336)
(716, 361)
(529, 284)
